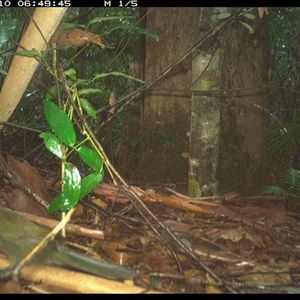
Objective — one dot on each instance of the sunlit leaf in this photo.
(71, 187)
(89, 91)
(59, 123)
(101, 19)
(91, 158)
(29, 53)
(103, 75)
(70, 194)
(89, 182)
(52, 143)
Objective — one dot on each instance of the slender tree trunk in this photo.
(205, 111)
(37, 35)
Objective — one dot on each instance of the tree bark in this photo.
(205, 111)
(243, 120)
(166, 107)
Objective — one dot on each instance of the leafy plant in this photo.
(90, 91)
(244, 14)
(289, 185)
(63, 140)
(283, 144)
(7, 29)
(59, 143)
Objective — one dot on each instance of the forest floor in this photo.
(223, 244)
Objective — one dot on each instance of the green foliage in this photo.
(92, 74)
(90, 92)
(284, 35)
(103, 75)
(89, 182)
(244, 14)
(90, 157)
(284, 139)
(73, 188)
(289, 185)
(137, 29)
(7, 29)
(59, 123)
(193, 188)
(53, 144)
(249, 27)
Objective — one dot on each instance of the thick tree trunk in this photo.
(243, 121)
(166, 107)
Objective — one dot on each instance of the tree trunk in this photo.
(45, 21)
(166, 107)
(205, 111)
(226, 145)
(243, 121)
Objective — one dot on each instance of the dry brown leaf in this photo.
(267, 274)
(76, 38)
(29, 179)
(236, 235)
(262, 11)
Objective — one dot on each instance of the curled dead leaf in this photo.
(76, 38)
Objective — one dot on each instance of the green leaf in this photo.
(103, 75)
(29, 53)
(101, 19)
(137, 29)
(52, 143)
(59, 123)
(89, 182)
(223, 16)
(53, 91)
(89, 91)
(87, 106)
(249, 16)
(71, 187)
(7, 29)
(71, 73)
(274, 190)
(70, 195)
(251, 30)
(68, 26)
(91, 158)
(55, 204)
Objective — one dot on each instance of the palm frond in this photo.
(275, 190)
(289, 185)
(285, 138)
(291, 177)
